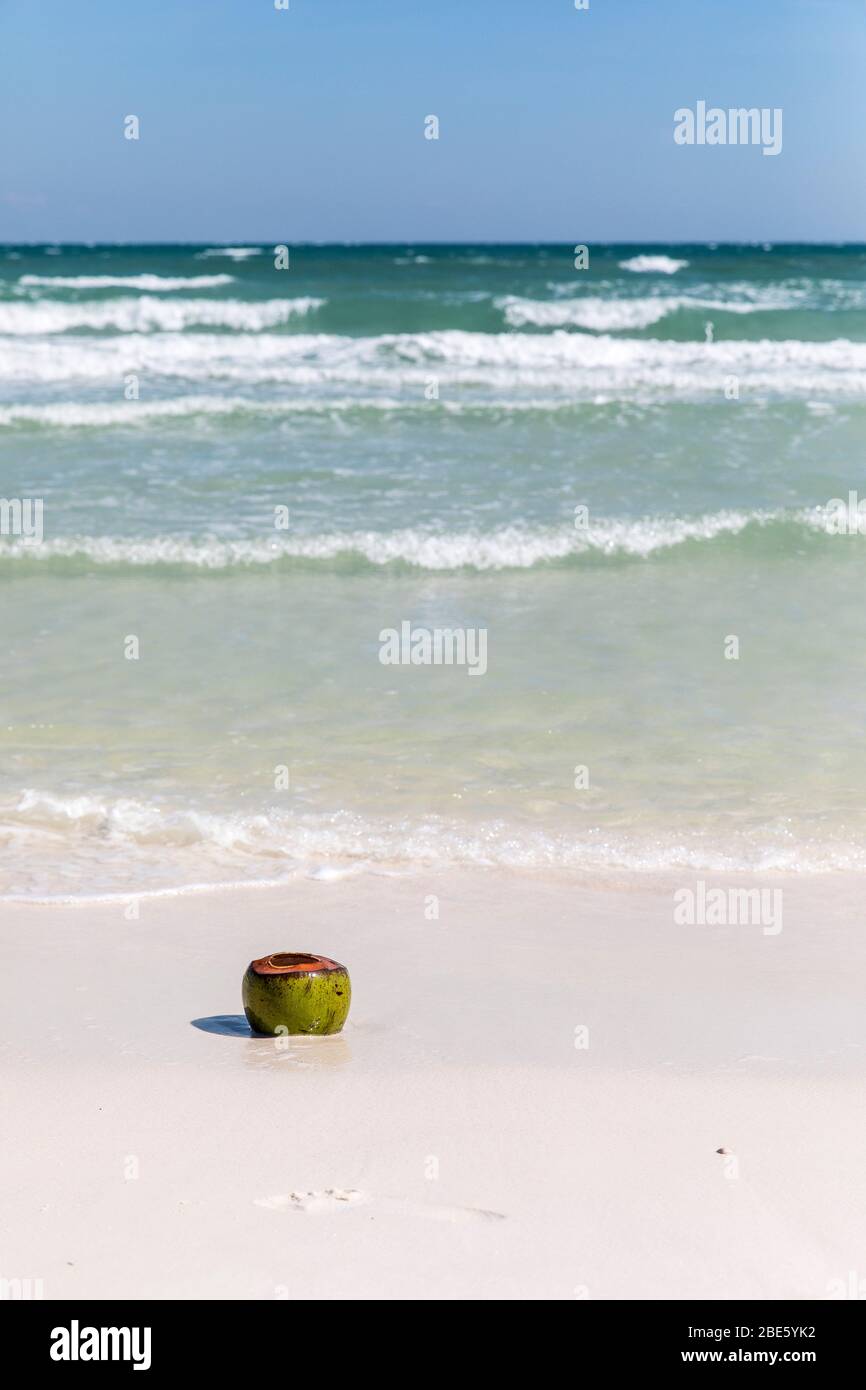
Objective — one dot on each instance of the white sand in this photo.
(562, 1172)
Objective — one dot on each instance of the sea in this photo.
(228, 472)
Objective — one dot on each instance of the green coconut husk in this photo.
(293, 992)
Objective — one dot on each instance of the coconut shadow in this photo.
(227, 1025)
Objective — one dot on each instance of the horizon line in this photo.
(710, 243)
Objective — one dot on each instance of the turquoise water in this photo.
(431, 418)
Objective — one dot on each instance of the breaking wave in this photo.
(125, 848)
(153, 283)
(572, 364)
(146, 315)
(653, 265)
(232, 253)
(509, 547)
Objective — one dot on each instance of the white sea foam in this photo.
(98, 414)
(614, 315)
(146, 315)
(508, 547)
(572, 364)
(134, 414)
(234, 253)
(123, 847)
(653, 265)
(152, 283)
(604, 315)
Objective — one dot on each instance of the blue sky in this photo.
(555, 124)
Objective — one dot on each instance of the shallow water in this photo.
(431, 417)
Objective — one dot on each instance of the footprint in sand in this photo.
(330, 1199)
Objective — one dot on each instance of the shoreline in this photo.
(665, 879)
(526, 1102)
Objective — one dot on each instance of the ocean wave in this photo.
(154, 849)
(653, 265)
(154, 284)
(576, 365)
(592, 312)
(508, 547)
(147, 315)
(135, 414)
(233, 253)
(573, 365)
(618, 315)
(130, 414)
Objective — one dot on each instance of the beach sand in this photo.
(458, 1139)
